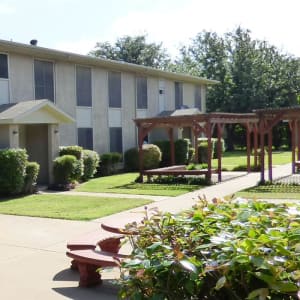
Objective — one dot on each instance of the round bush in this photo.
(131, 160)
(12, 170)
(32, 172)
(151, 156)
(90, 162)
(77, 151)
(67, 169)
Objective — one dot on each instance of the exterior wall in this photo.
(189, 95)
(203, 98)
(21, 77)
(100, 110)
(65, 99)
(4, 136)
(169, 95)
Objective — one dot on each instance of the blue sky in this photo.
(76, 25)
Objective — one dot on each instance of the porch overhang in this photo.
(33, 112)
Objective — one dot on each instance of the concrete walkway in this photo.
(33, 264)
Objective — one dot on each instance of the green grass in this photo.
(236, 158)
(124, 184)
(67, 207)
(271, 191)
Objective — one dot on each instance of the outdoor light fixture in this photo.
(56, 131)
(15, 132)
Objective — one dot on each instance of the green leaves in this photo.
(218, 251)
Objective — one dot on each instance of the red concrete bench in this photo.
(89, 261)
(91, 241)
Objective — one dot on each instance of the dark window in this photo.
(115, 139)
(198, 97)
(141, 92)
(178, 95)
(83, 86)
(43, 79)
(85, 138)
(3, 66)
(114, 89)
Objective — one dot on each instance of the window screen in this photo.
(85, 138)
(178, 95)
(115, 137)
(83, 86)
(3, 66)
(43, 79)
(114, 89)
(198, 97)
(141, 93)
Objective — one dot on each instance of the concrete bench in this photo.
(91, 240)
(89, 261)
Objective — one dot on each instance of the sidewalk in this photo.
(33, 264)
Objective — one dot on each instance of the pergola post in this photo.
(298, 140)
(255, 140)
(270, 154)
(262, 150)
(172, 146)
(248, 129)
(140, 144)
(292, 128)
(209, 149)
(220, 128)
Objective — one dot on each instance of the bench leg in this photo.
(88, 275)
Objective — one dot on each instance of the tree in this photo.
(133, 50)
(252, 73)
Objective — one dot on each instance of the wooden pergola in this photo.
(260, 123)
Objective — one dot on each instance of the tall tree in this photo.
(134, 50)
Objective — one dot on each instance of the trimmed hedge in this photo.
(67, 169)
(71, 150)
(164, 147)
(108, 163)
(151, 158)
(12, 170)
(91, 162)
(32, 172)
(203, 147)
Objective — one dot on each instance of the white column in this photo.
(53, 147)
(13, 136)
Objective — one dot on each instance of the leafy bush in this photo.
(196, 166)
(108, 163)
(71, 150)
(151, 156)
(203, 152)
(67, 169)
(181, 151)
(244, 168)
(202, 142)
(238, 250)
(32, 172)
(131, 160)
(90, 161)
(164, 147)
(12, 170)
(175, 180)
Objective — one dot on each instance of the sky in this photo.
(77, 25)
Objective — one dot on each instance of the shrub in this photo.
(12, 170)
(181, 151)
(67, 169)
(151, 156)
(223, 250)
(76, 151)
(32, 172)
(90, 162)
(164, 147)
(131, 160)
(202, 142)
(108, 163)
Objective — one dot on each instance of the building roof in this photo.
(33, 112)
(51, 54)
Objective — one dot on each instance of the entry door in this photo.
(37, 149)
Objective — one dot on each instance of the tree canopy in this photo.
(133, 49)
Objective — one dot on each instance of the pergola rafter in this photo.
(260, 123)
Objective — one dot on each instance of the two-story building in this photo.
(92, 101)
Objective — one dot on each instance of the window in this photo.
(198, 97)
(85, 138)
(3, 66)
(115, 139)
(114, 89)
(83, 86)
(141, 93)
(178, 95)
(43, 79)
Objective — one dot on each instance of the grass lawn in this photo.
(272, 191)
(124, 184)
(67, 207)
(236, 158)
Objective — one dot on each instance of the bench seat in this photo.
(89, 260)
